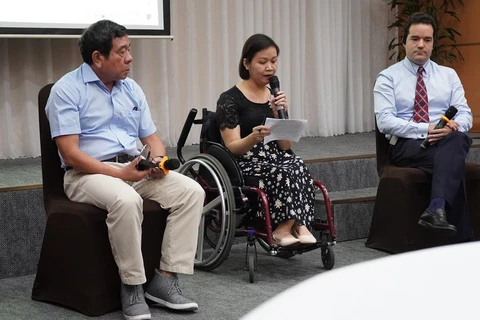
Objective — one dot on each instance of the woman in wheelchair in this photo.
(241, 112)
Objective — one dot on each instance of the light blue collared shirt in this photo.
(394, 96)
(107, 123)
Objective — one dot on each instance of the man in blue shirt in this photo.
(96, 114)
(410, 98)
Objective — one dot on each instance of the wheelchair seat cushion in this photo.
(251, 181)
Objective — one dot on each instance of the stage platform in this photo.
(26, 172)
(345, 164)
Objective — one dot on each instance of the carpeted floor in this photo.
(222, 294)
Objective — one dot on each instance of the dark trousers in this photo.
(445, 162)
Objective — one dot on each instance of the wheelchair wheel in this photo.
(251, 267)
(217, 226)
(328, 258)
(265, 246)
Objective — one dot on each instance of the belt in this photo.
(120, 158)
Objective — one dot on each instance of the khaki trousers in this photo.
(180, 195)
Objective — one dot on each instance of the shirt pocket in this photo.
(132, 121)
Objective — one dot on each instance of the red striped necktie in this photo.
(420, 106)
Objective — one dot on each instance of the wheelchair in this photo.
(230, 196)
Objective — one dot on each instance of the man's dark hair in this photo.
(99, 36)
(419, 18)
(254, 44)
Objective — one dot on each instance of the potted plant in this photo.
(443, 12)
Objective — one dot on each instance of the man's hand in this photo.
(156, 173)
(454, 125)
(130, 173)
(435, 135)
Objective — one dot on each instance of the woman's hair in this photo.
(99, 36)
(254, 44)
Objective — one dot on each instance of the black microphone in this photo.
(165, 164)
(275, 86)
(449, 114)
(169, 164)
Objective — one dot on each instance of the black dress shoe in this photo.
(437, 221)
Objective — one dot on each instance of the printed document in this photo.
(285, 129)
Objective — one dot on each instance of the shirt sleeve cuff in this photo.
(64, 132)
(147, 132)
(422, 131)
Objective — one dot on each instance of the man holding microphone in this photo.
(410, 99)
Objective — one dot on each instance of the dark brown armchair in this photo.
(76, 267)
(402, 196)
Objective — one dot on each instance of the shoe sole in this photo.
(162, 303)
(146, 316)
(308, 243)
(444, 230)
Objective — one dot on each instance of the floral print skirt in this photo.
(286, 181)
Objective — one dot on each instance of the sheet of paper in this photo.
(285, 129)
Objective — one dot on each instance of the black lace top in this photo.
(233, 109)
(283, 176)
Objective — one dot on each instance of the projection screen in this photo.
(67, 19)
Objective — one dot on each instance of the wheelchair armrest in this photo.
(184, 134)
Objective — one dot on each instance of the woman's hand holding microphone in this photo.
(278, 101)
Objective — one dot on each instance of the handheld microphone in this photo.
(166, 164)
(444, 119)
(275, 86)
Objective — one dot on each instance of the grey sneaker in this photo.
(134, 306)
(165, 292)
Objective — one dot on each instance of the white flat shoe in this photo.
(284, 242)
(305, 239)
